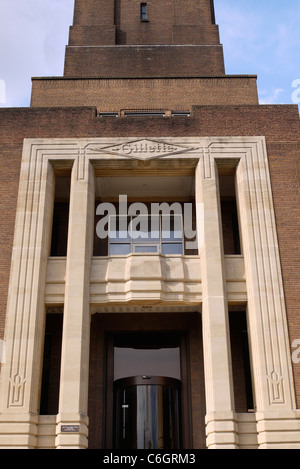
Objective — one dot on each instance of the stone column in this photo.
(221, 428)
(269, 338)
(24, 333)
(72, 420)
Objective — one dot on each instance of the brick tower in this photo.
(137, 55)
(159, 36)
(197, 321)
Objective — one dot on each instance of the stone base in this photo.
(18, 431)
(222, 430)
(279, 430)
(71, 431)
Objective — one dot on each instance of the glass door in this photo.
(147, 391)
(147, 413)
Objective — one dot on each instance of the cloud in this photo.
(270, 97)
(33, 34)
(262, 38)
(240, 28)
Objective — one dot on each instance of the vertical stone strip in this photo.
(271, 360)
(72, 421)
(220, 417)
(20, 383)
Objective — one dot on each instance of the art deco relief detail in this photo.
(81, 163)
(207, 163)
(276, 388)
(143, 149)
(17, 390)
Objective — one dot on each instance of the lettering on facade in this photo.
(147, 147)
(144, 149)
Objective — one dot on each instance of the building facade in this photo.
(150, 269)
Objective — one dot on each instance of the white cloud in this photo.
(270, 97)
(262, 38)
(33, 35)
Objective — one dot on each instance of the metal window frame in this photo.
(133, 242)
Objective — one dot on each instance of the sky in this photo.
(260, 37)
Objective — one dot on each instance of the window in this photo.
(241, 362)
(49, 402)
(109, 114)
(147, 354)
(144, 12)
(213, 16)
(145, 234)
(144, 113)
(229, 215)
(181, 113)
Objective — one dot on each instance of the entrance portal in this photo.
(147, 391)
(130, 345)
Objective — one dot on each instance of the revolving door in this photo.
(147, 413)
(147, 390)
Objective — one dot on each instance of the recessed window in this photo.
(144, 113)
(144, 12)
(147, 354)
(108, 114)
(181, 113)
(150, 234)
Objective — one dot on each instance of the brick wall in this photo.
(144, 61)
(164, 19)
(155, 93)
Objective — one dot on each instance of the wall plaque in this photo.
(70, 428)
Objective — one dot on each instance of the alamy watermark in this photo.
(296, 352)
(2, 351)
(296, 93)
(139, 222)
(2, 92)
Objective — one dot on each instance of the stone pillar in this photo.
(221, 428)
(269, 338)
(72, 420)
(24, 333)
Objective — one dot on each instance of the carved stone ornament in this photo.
(144, 149)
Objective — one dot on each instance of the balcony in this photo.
(146, 279)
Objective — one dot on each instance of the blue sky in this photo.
(262, 37)
(259, 37)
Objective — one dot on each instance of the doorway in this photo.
(147, 399)
(147, 413)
